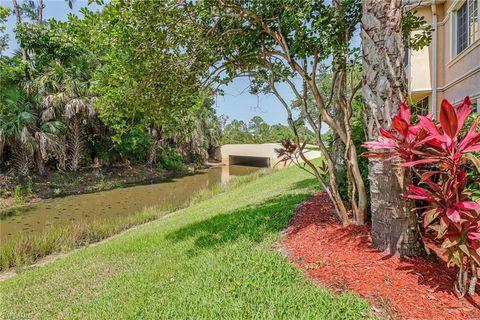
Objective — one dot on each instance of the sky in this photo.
(235, 103)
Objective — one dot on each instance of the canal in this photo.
(117, 202)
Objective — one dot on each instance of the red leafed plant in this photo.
(450, 213)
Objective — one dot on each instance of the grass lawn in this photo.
(213, 260)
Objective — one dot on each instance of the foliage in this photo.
(4, 13)
(450, 214)
(258, 131)
(92, 90)
(417, 33)
(170, 159)
(134, 144)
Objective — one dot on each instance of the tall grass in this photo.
(25, 249)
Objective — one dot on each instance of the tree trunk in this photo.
(156, 135)
(394, 225)
(40, 165)
(18, 16)
(338, 152)
(40, 11)
(338, 146)
(152, 154)
(76, 143)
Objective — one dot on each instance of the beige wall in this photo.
(457, 76)
(420, 70)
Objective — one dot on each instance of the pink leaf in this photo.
(418, 162)
(474, 235)
(471, 136)
(427, 124)
(379, 144)
(418, 190)
(473, 148)
(463, 111)
(405, 112)
(415, 197)
(435, 187)
(448, 119)
(387, 134)
(453, 215)
(400, 126)
(468, 205)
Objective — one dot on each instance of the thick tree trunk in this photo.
(394, 225)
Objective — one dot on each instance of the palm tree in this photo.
(20, 131)
(66, 95)
(394, 225)
(16, 123)
(201, 133)
(76, 111)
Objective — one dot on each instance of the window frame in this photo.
(454, 27)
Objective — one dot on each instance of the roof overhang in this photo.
(410, 4)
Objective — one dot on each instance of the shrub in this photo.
(134, 144)
(450, 214)
(168, 158)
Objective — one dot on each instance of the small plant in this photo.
(102, 185)
(29, 186)
(450, 214)
(18, 193)
(57, 191)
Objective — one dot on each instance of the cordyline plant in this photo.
(450, 213)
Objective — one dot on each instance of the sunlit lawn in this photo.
(213, 260)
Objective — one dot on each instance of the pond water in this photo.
(115, 202)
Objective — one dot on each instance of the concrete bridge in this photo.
(259, 155)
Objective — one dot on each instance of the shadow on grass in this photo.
(311, 183)
(252, 222)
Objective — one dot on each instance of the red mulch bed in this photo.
(342, 258)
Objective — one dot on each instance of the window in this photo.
(475, 105)
(466, 30)
(473, 20)
(462, 28)
(421, 107)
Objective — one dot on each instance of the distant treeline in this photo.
(258, 131)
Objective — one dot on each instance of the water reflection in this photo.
(114, 202)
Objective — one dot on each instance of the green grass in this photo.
(212, 260)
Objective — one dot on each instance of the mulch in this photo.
(341, 258)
